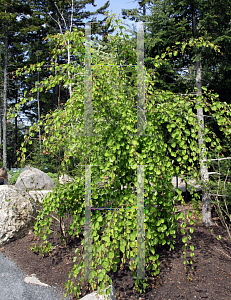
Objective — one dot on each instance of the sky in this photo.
(116, 6)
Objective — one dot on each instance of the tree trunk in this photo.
(5, 99)
(40, 149)
(55, 91)
(1, 124)
(16, 132)
(144, 14)
(206, 204)
(68, 60)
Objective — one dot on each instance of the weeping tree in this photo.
(116, 137)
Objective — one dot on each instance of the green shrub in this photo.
(53, 176)
(14, 176)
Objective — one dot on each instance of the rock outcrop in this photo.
(17, 214)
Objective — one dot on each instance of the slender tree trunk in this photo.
(1, 124)
(69, 59)
(206, 203)
(144, 14)
(16, 132)
(55, 91)
(38, 105)
(40, 149)
(5, 99)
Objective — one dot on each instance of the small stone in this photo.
(96, 296)
(65, 179)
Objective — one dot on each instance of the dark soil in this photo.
(210, 279)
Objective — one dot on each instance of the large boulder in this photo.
(17, 214)
(33, 179)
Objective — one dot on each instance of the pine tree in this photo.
(11, 20)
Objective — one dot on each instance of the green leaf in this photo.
(191, 222)
(100, 219)
(184, 239)
(106, 239)
(133, 236)
(197, 106)
(122, 248)
(44, 237)
(114, 268)
(158, 172)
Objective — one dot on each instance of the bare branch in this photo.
(223, 252)
(72, 11)
(220, 158)
(56, 22)
(61, 16)
(214, 173)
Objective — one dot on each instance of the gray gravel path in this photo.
(13, 286)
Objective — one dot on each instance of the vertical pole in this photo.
(88, 133)
(140, 169)
(87, 225)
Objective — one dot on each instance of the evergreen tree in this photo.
(12, 14)
(171, 21)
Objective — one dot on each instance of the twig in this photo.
(223, 252)
(220, 158)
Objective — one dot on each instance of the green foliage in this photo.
(54, 176)
(117, 151)
(62, 199)
(14, 176)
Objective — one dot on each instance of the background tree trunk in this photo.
(206, 203)
(1, 124)
(16, 132)
(5, 98)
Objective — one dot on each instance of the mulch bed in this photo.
(210, 279)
